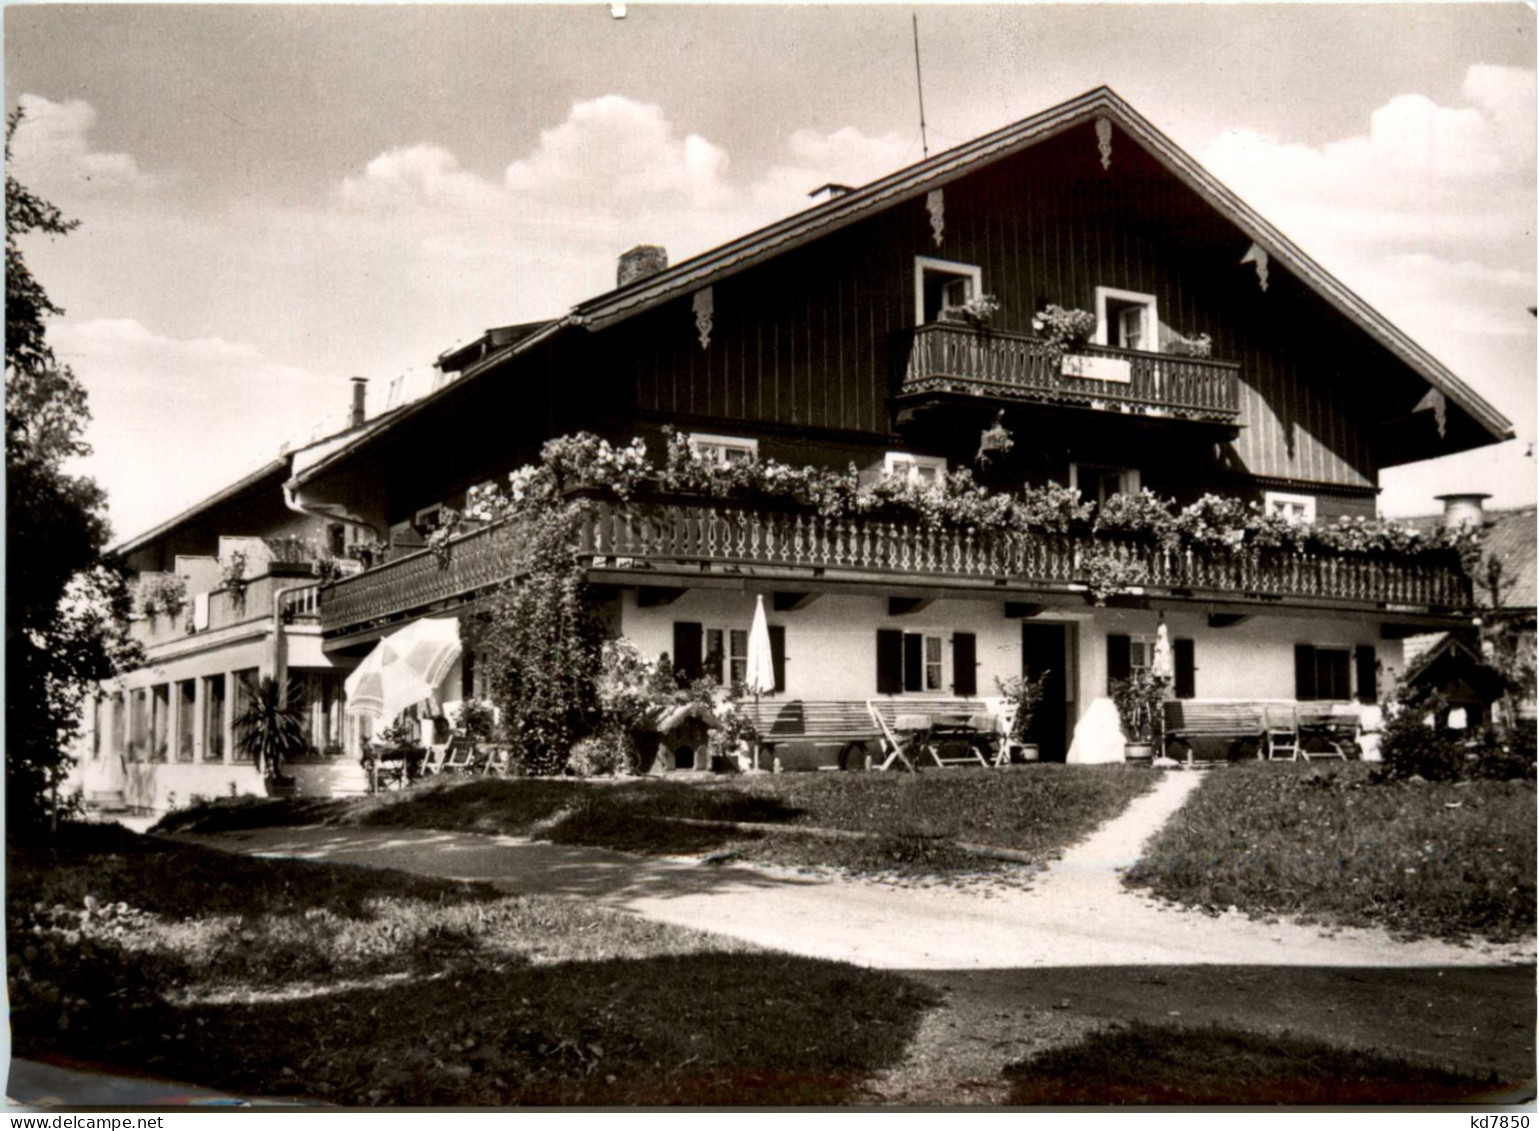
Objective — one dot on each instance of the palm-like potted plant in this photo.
(271, 729)
(1026, 693)
(1138, 701)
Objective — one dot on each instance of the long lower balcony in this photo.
(945, 358)
(673, 543)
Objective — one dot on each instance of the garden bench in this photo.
(933, 727)
(1186, 719)
(835, 722)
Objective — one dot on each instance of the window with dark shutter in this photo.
(777, 635)
(1367, 674)
(1183, 650)
(889, 661)
(964, 664)
(1119, 658)
(688, 651)
(913, 662)
(1305, 686)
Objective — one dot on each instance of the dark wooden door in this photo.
(1045, 648)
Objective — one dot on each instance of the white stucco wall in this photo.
(831, 645)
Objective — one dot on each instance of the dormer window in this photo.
(924, 470)
(724, 450)
(1294, 508)
(939, 284)
(1127, 320)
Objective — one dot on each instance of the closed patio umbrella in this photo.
(759, 675)
(405, 668)
(1163, 663)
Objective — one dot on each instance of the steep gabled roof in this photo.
(914, 181)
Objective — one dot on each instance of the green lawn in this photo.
(1169, 1065)
(915, 818)
(1333, 846)
(365, 987)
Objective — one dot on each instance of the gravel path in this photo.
(1075, 914)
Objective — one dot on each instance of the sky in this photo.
(276, 198)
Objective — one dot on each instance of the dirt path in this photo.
(1025, 970)
(1076, 914)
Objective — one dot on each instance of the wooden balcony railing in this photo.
(476, 561)
(948, 358)
(696, 537)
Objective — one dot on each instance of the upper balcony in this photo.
(298, 604)
(949, 358)
(678, 543)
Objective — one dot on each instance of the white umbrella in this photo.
(759, 675)
(405, 668)
(1163, 663)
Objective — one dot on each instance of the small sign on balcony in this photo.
(1098, 368)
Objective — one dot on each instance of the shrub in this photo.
(542, 644)
(608, 753)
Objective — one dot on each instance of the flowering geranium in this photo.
(1061, 328)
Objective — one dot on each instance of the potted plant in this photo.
(1026, 693)
(270, 730)
(1190, 345)
(1138, 699)
(1063, 330)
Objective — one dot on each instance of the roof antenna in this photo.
(919, 79)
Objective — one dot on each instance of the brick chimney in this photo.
(1463, 510)
(639, 262)
(360, 390)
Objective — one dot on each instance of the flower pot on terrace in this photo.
(1138, 751)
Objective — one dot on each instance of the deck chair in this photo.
(437, 756)
(494, 761)
(459, 759)
(1280, 732)
(900, 737)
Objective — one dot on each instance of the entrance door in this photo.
(1047, 647)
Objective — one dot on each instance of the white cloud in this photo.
(176, 419)
(417, 175)
(1420, 177)
(613, 173)
(50, 150)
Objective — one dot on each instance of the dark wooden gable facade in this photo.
(813, 340)
(806, 348)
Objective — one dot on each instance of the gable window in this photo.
(426, 520)
(1127, 320)
(724, 450)
(939, 283)
(1295, 508)
(917, 469)
(1099, 482)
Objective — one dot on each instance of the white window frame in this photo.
(910, 466)
(1151, 332)
(923, 263)
(1140, 642)
(427, 517)
(734, 653)
(940, 664)
(1130, 482)
(1283, 501)
(715, 448)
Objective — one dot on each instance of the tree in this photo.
(64, 627)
